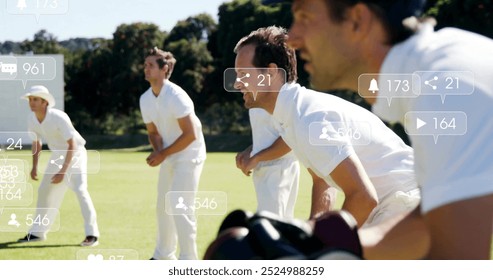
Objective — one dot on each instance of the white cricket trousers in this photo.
(177, 176)
(276, 185)
(393, 205)
(51, 195)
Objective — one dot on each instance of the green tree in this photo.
(43, 43)
(107, 80)
(188, 42)
(88, 88)
(131, 43)
(199, 27)
(192, 66)
(240, 17)
(8, 47)
(472, 15)
(236, 19)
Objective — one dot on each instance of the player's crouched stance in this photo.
(55, 127)
(333, 235)
(175, 133)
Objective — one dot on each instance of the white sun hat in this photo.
(42, 92)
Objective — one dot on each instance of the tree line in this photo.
(104, 77)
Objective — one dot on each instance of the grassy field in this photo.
(124, 194)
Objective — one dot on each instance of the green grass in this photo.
(124, 194)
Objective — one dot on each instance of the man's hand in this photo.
(56, 179)
(249, 164)
(156, 158)
(34, 174)
(241, 157)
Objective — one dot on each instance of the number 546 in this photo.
(37, 220)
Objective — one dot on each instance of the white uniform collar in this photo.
(163, 89)
(283, 111)
(47, 116)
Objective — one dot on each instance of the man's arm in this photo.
(36, 149)
(323, 196)
(278, 149)
(155, 138)
(408, 232)
(360, 195)
(184, 140)
(57, 178)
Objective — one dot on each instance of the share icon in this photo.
(428, 83)
(239, 80)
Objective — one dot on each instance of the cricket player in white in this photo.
(275, 167)
(340, 40)
(55, 127)
(377, 178)
(175, 134)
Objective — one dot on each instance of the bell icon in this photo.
(21, 4)
(373, 86)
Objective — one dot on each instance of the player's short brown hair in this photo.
(163, 58)
(271, 47)
(390, 13)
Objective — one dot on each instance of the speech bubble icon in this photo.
(42, 219)
(83, 162)
(16, 142)
(36, 68)
(12, 171)
(37, 8)
(446, 83)
(15, 195)
(8, 67)
(435, 123)
(388, 86)
(253, 80)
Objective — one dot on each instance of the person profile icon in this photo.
(13, 220)
(21, 4)
(324, 134)
(180, 204)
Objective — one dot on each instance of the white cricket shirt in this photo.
(457, 167)
(385, 158)
(265, 131)
(56, 129)
(171, 104)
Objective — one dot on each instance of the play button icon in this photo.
(419, 123)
